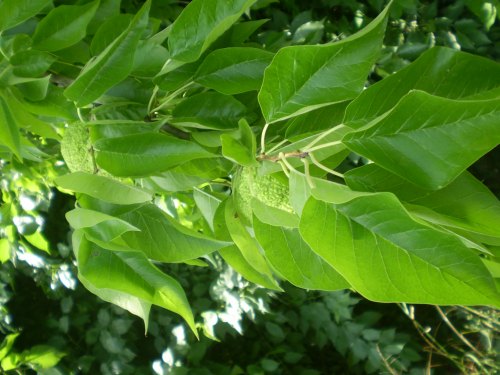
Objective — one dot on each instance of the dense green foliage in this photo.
(330, 152)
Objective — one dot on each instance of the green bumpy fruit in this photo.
(267, 189)
(75, 148)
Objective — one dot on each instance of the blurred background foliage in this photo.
(50, 324)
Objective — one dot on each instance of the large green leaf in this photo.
(97, 225)
(130, 274)
(389, 257)
(209, 110)
(233, 70)
(429, 140)
(102, 187)
(115, 128)
(112, 65)
(464, 204)
(440, 71)
(162, 238)
(247, 244)
(31, 63)
(233, 256)
(108, 32)
(199, 25)
(13, 12)
(9, 128)
(63, 26)
(293, 259)
(303, 78)
(145, 154)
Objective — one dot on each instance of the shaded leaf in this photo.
(104, 188)
(439, 71)
(290, 255)
(233, 70)
(64, 26)
(303, 78)
(145, 154)
(130, 274)
(240, 146)
(209, 110)
(14, 12)
(463, 204)
(9, 128)
(429, 140)
(162, 238)
(199, 25)
(111, 66)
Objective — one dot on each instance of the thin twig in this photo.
(455, 331)
(152, 98)
(285, 161)
(285, 169)
(263, 139)
(326, 169)
(309, 180)
(276, 158)
(277, 145)
(322, 146)
(387, 364)
(167, 99)
(322, 135)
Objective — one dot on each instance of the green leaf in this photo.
(145, 154)
(207, 204)
(290, 255)
(31, 63)
(42, 356)
(188, 175)
(233, 70)
(464, 204)
(64, 26)
(98, 226)
(104, 188)
(337, 150)
(5, 253)
(188, 39)
(319, 119)
(14, 12)
(115, 128)
(274, 216)
(439, 71)
(131, 273)
(7, 344)
(303, 78)
(9, 128)
(240, 146)
(108, 32)
(21, 110)
(247, 244)
(233, 256)
(112, 66)
(389, 257)
(34, 89)
(162, 238)
(432, 145)
(149, 58)
(209, 110)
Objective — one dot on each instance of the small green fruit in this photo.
(267, 189)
